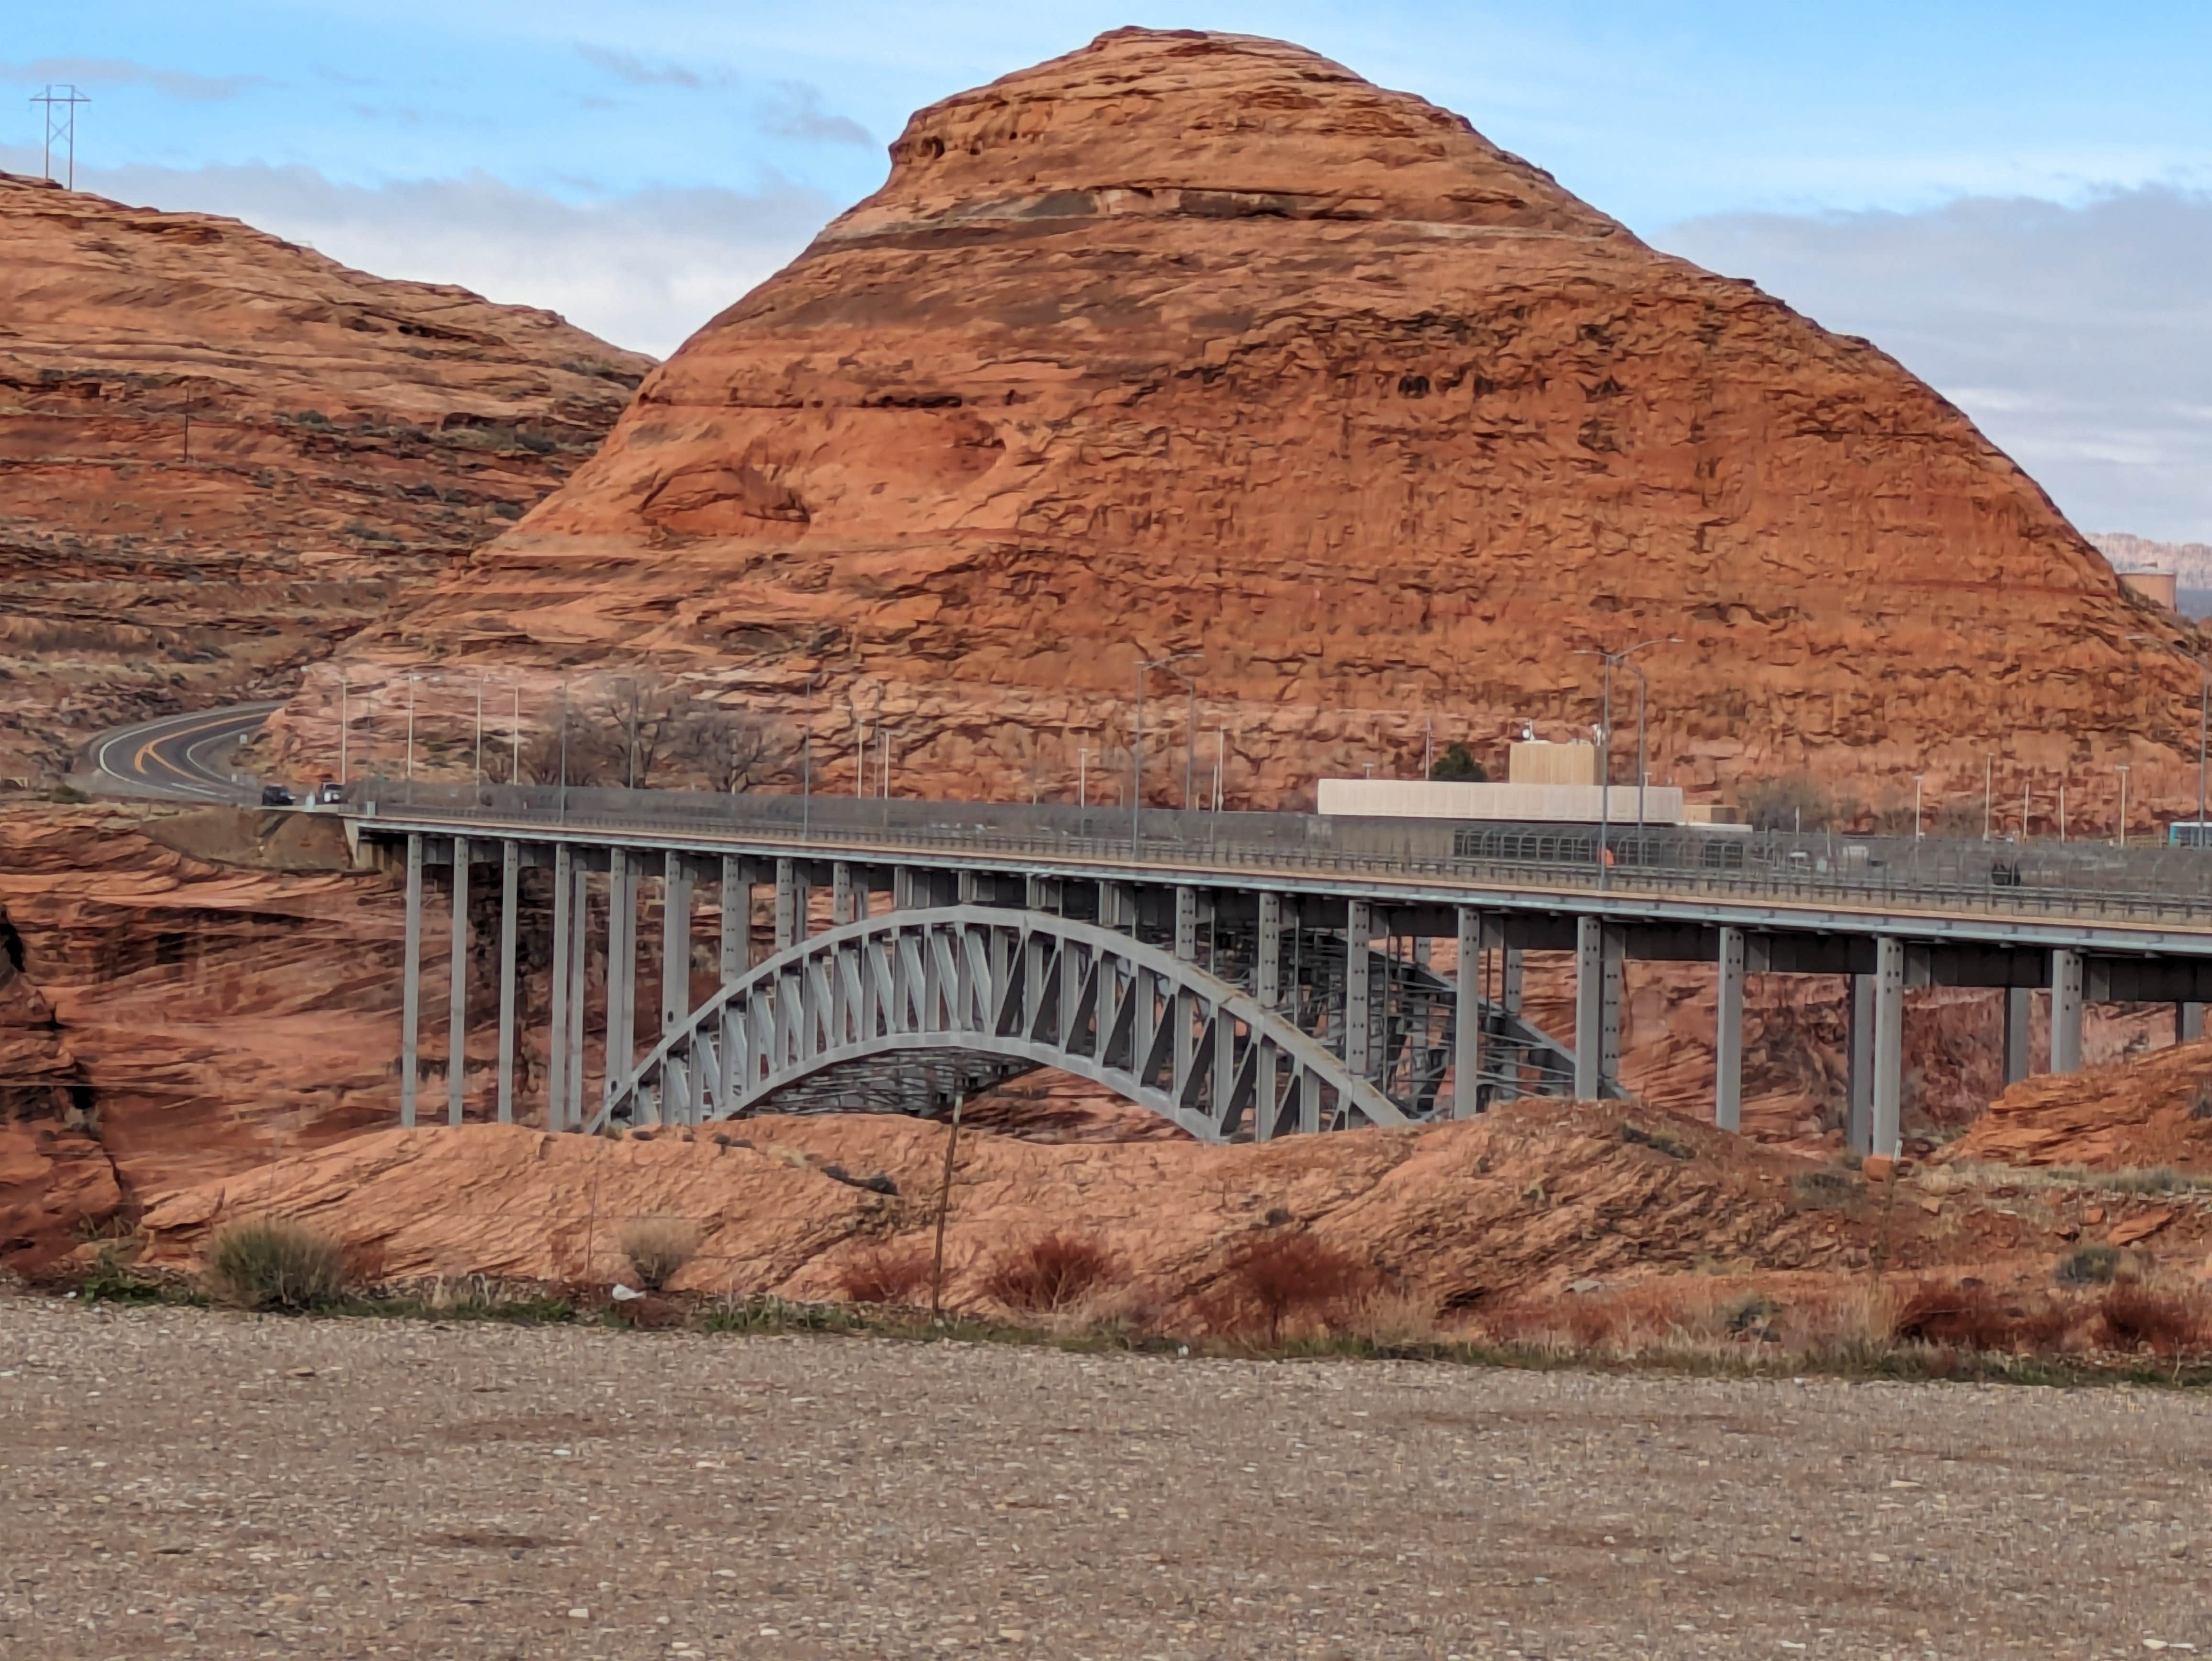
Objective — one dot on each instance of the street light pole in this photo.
(515, 766)
(480, 692)
(2121, 841)
(1989, 783)
(1642, 692)
(1137, 746)
(411, 680)
(1916, 780)
(1605, 744)
(344, 722)
(806, 761)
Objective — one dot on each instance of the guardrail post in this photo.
(1858, 1090)
(2065, 1010)
(410, 981)
(457, 1000)
(1358, 932)
(1888, 1044)
(1467, 1018)
(2019, 1010)
(510, 871)
(1728, 1035)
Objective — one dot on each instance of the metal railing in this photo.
(2032, 880)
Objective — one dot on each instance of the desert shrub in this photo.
(1658, 1141)
(1391, 1319)
(2200, 1099)
(885, 1274)
(2135, 1317)
(112, 1279)
(1825, 1187)
(1753, 1313)
(1282, 1276)
(2089, 1265)
(1973, 1317)
(272, 1262)
(2158, 1179)
(1050, 1272)
(656, 1248)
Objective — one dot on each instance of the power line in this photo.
(61, 122)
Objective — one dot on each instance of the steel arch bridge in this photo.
(900, 1012)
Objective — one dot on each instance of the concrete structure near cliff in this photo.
(1201, 344)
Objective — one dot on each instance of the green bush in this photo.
(271, 1263)
(1457, 765)
(2090, 1265)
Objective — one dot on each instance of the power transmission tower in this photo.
(61, 122)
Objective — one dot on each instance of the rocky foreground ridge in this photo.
(1201, 344)
(220, 453)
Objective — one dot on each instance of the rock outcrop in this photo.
(1201, 344)
(2139, 1112)
(221, 453)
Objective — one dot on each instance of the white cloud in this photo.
(2078, 337)
(642, 270)
(89, 72)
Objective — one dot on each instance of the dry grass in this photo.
(889, 1274)
(1974, 1316)
(658, 1248)
(1392, 1319)
(1051, 1273)
(271, 1263)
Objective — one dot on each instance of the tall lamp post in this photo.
(2204, 727)
(1611, 660)
(1137, 747)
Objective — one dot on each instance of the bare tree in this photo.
(657, 734)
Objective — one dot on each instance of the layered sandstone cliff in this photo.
(1201, 344)
(220, 453)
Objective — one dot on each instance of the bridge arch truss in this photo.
(899, 1012)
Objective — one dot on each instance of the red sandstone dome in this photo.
(1200, 343)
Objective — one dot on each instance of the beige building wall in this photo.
(1538, 763)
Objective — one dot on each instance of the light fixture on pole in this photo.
(1916, 780)
(2121, 841)
(1605, 745)
(1988, 785)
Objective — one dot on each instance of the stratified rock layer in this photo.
(1201, 344)
(219, 453)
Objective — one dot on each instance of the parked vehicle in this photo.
(328, 792)
(276, 796)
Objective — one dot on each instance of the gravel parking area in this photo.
(181, 1482)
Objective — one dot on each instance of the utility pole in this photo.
(61, 122)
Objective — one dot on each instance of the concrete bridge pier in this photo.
(457, 998)
(2065, 1010)
(2018, 1013)
(1728, 1034)
(1598, 954)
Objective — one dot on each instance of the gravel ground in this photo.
(175, 1481)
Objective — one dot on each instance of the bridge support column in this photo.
(737, 903)
(841, 894)
(510, 873)
(622, 968)
(675, 943)
(1858, 1089)
(411, 981)
(1467, 1018)
(902, 888)
(556, 979)
(1589, 1007)
(789, 903)
(457, 998)
(2019, 1011)
(1888, 1044)
(2065, 1010)
(1180, 1010)
(2188, 1022)
(1728, 1035)
(578, 969)
(1358, 1017)
(1509, 1000)
(1043, 894)
(1267, 988)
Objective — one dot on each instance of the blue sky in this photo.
(2012, 197)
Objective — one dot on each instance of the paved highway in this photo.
(181, 758)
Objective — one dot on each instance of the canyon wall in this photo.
(220, 454)
(1190, 343)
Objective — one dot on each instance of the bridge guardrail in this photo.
(2044, 880)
